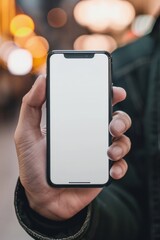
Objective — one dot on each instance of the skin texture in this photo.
(30, 139)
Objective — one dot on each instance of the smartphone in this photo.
(78, 115)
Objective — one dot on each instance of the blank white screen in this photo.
(79, 119)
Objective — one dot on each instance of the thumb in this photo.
(30, 113)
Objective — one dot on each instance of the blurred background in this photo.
(28, 30)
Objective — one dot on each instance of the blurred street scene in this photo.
(28, 30)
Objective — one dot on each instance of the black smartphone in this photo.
(78, 115)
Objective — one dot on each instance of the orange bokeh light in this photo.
(38, 46)
(38, 63)
(22, 25)
(21, 40)
(57, 17)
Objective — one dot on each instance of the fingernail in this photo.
(119, 125)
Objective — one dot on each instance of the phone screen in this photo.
(78, 118)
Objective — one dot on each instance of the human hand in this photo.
(30, 139)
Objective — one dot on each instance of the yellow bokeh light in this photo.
(21, 25)
(23, 32)
(38, 46)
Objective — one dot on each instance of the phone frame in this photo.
(77, 54)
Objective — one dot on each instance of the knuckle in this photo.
(123, 116)
(123, 143)
(126, 139)
(126, 144)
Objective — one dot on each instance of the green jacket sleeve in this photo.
(112, 215)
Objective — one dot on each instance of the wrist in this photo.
(39, 227)
(41, 204)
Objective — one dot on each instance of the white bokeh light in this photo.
(92, 14)
(143, 24)
(100, 15)
(20, 62)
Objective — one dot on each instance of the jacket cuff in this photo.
(39, 227)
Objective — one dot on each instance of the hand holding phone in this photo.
(30, 140)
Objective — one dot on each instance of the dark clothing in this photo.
(128, 209)
(140, 76)
(113, 214)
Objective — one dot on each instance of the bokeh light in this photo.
(5, 49)
(57, 17)
(21, 40)
(38, 62)
(19, 62)
(38, 46)
(101, 15)
(111, 23)
(7, 12)
(143, 24)
(22, 25)
(122, 13)
(95, 42)
(92, 14)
